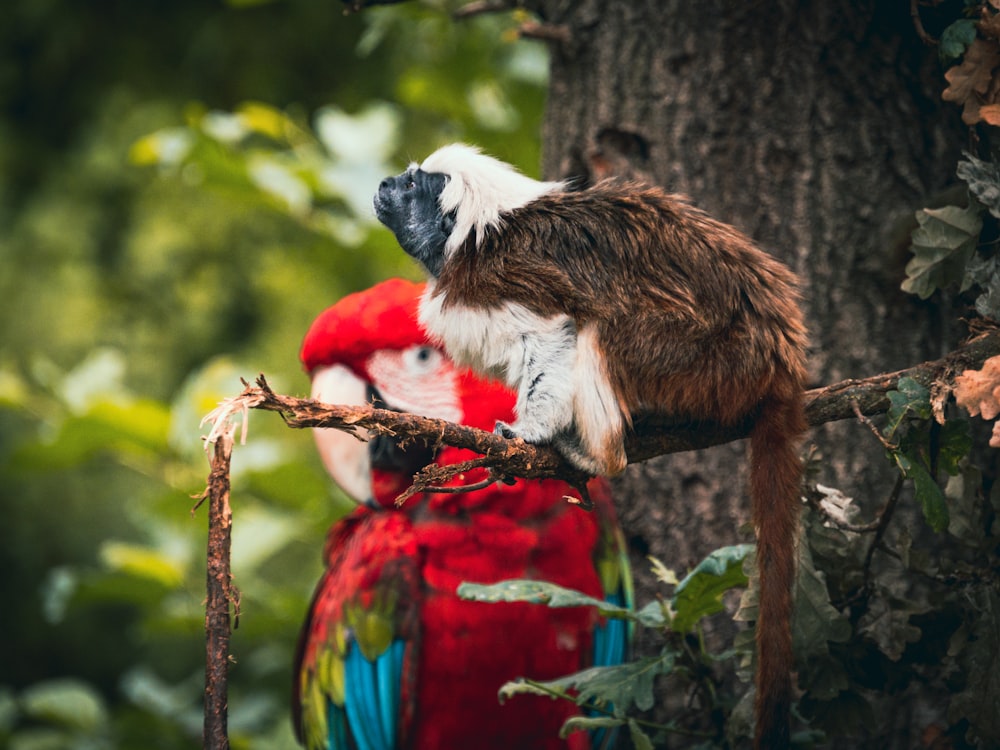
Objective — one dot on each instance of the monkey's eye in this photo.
(410, 184)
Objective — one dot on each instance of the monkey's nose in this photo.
(385, 185)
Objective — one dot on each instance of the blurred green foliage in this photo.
(183, 187)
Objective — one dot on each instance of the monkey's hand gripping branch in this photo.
(501, 457)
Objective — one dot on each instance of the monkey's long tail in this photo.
(775, 477)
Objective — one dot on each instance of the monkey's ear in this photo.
(448, 223)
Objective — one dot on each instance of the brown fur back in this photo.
(694, 319)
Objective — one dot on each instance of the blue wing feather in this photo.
(336, 728)
(371, 700)
(613, 638)
(388, 682)
(357, 703)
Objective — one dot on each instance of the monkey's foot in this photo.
(504, 430)
(525, 433)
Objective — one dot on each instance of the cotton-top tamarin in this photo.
(598, 304)
(390, 657)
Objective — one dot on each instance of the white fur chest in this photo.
(493, 340)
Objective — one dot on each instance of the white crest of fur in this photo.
(480, 189)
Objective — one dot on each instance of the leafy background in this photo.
(183, 187)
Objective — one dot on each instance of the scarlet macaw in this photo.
(389, 656)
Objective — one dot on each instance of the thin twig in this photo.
(871, 426)
(220, 595)
(918, 24)
(481, 7)
(884, 517)
(546, 32)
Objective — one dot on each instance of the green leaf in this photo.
(954, 445)
(640, 740)
(956, 38)
(143, 562)
(942, 245)
(621, 686)
(538, 592)
(135, 428)
(69, 702)
(655, 614)
(817, 621)
(926, 490)
(588, 723)
(700, 593)
(910, 399)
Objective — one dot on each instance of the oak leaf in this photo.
(970, 80)
(990, 114)
(989, 25)
(978, 392)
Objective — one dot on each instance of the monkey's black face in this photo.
(408, 205)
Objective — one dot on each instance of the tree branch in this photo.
(652, 435)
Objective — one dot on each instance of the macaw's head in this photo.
(369, 349)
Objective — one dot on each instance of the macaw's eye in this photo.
(421, 359)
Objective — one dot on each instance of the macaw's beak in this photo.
(386, 453)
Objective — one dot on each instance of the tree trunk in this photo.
(817, 128)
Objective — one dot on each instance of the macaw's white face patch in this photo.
(344, 456)
(419, 380)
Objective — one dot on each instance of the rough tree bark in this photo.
(815, 127)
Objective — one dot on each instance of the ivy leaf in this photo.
(621, 686)
(700, 593)
(942, 245)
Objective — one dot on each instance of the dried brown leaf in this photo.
(989, 26)
(970, 80)
(990, 114)
(978, 391)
